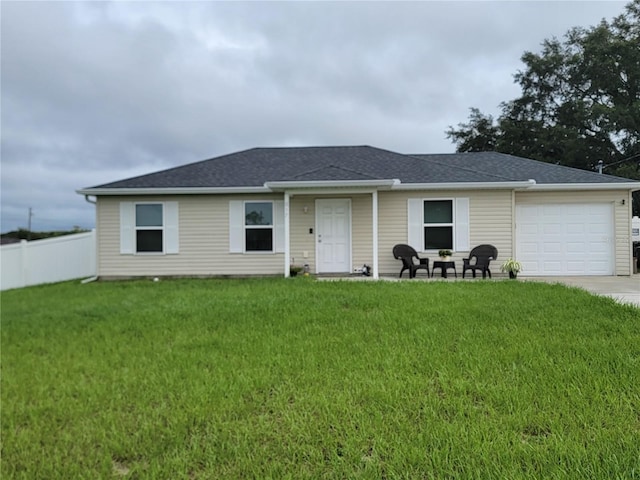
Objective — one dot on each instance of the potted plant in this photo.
(512, 266)
(445, 254)
(294, 270)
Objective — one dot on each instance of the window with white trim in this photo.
(438, 224)
(149, 228)
(258, 226)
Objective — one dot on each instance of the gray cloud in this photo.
(98, 91)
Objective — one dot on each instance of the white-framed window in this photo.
(438, 223)
(258, 226)
(438, 227)
(149, 228)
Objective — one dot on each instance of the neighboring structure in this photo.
(337, 208)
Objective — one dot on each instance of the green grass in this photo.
(294, 378)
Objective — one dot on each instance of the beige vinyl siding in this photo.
(362, 231)
(622, 225)
(203, 238)
(204, 231)
(302, 243)
(490, 221)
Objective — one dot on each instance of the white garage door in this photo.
(565, 239)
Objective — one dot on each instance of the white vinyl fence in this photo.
(49, 260)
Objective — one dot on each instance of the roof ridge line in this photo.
(309, 147)
(331, 165)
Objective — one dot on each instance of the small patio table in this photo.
(443, 266)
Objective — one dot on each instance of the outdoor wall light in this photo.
(305, 209)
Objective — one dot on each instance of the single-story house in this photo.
(255, 212)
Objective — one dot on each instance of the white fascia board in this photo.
(172, 191)
(587, 186)
(315, 184)
(465, 185)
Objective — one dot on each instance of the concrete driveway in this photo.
(623, 289)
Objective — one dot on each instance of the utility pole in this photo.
(600, 166)
(29, 223)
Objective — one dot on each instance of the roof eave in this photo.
(633, 186)
(172, 191)
(384, 184)
(466, 185)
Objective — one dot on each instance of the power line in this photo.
(601, 166)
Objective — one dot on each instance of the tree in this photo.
(479, 135)
(580, 102)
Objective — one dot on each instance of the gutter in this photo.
(587, 186)
(172, 191)
(466, 185)
(385, 184)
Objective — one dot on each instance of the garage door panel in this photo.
(576, 267)
(551, 247)
(532, 268)
(530, 229)
(575, 228)
(575, 209)
(598, 267)
(549, 211)
(530, 248)
(601, 248)
(565, 239)
(552, 229)
(576, 248)
(598, 229)
(551, 267)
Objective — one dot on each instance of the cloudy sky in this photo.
(99, 91)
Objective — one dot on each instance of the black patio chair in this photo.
(479, 259)
(407, 254)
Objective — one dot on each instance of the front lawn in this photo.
(296, 378)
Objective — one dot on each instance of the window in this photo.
(435, 224)
(256, 226)
(149, 227)
(258, 231)
(438, 224)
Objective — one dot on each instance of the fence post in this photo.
(95, 252)
(24, 262)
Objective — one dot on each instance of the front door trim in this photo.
(346, 268)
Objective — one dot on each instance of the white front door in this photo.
(565, 239)
(333, 235)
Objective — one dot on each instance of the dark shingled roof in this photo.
(520, 169)
(254, 167)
